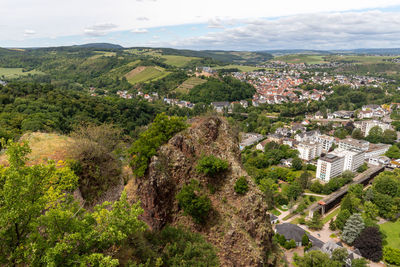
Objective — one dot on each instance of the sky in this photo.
(206, 24)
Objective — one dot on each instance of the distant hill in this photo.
(296, 51)
(100, 46)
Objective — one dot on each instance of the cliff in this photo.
(238, 226)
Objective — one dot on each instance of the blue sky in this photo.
(209, 24)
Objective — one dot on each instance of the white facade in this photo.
(366, 126)
(325, 141)
(329, 167)
(376, 150)
(379, 160)
(350, 143)
(309, 151)
(353, 158)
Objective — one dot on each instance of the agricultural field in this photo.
(358, 59)
(11, 73)
(145, 74)
(187, 85)
(299, 58)
(121, 71)
(240, 67)
(392, 231)
(103, 54)
(177, 61)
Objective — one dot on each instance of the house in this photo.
(288, 142)
(291, 232)
(287, 162)
(310, 136)
(277, 138)
(319, 115)
(261, 145)
(244, 103)
(298, 127)
(283, 131)
(330, 246)
(343, 114)
(249, 139)
(273, 219)
(220, 106)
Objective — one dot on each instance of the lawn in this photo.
(275, 212)
(240, 67)
(392, 231)
(145, 74)
(177, 61)
(328, 217)
(185, 87)
(10, 73)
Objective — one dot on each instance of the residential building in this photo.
(261, 145)
(309, 151)
(283, 131)
(287, 162)
(220, 106)
(249, 139)
(329, 167)
(310, 136)
(325, 141)
(353, 158)
(366, 126)
(288, 141)
(330, 246)
(350, 143)
(376, 150)
(291, 232)
(273, 219)
(379, 160)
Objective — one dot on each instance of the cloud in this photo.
(143, 19)
(215, 23)
(29, 32)
(139, 31)
(309, 31)
(99, 29)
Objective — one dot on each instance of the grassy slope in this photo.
(44, 146)
(177, 61)
(185, 87)
(10, 73)
(298, 58)
(392, 231)
(147, 74)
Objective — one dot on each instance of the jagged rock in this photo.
(238, 227)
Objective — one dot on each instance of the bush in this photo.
(241, 186)
(193, 204)
(391, 255)
(316, 187)
(158, 133)
(291, 244)
(305, 240)
(362, 168)
(211, 165)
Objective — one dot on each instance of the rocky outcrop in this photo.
(238, 226)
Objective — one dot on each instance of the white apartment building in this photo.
(353, 158)
(350, 143)
(325, 141)
(309, 151)
(366, 126)
(379, 160)
(329, 167)
(376, 150)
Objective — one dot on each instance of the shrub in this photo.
(290, 244)
(316, 187)
(305, 240)
(193, 204)
(211, 165)
(158, 133)
(391, 255)
(241, 186)
(362, 168)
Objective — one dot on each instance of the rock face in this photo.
(238, 226)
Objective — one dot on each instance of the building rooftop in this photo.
(330, 158)
(354, 142)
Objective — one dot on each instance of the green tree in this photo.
(340, 255)
(316, 221)
(316, 187)
(241, 185)
(211, 165)
(304, 180)
(158, 133)
(346, 203)
(357, 134)
(375, 135)
(332, 225)
(193, 203)
(391, 255)
(371, 211)
(297, 164)
(353, 227)
(341, 218)
(315, 258)
(305, 240)
(359, 263)
(393, 152)
(389, 136)
(294, 191)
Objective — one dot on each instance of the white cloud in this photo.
(99, 29)
(310, 31)
(215, 23)
(143, 19)
(139, 31)
(29, 32)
